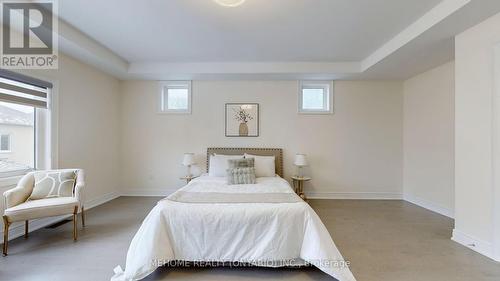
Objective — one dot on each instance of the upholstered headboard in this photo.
(276, 152)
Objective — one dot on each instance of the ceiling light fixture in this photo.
(229, 3)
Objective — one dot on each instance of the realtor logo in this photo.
(29, 38)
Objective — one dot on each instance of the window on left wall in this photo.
(175, 97)
(23, 108)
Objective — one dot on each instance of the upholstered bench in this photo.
(44, 194)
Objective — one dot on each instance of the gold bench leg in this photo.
(83, 216)
(75, 220)
(26, 229)
(5, 235)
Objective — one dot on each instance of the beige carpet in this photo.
(384, 240)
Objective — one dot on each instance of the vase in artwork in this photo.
(243, 129)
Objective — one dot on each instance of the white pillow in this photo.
(264, 165)
(219, 164)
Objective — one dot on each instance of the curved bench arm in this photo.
(21, 192)
(80, 185)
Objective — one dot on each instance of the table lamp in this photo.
(300, 161)
(187, 161)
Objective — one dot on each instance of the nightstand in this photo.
(298, 185)
(188, 178)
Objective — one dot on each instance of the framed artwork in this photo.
(242, 119)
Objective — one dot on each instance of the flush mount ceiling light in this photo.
(229, 3)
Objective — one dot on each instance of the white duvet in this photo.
(257, 233)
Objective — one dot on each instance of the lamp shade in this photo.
(300, 160)
(188, 159)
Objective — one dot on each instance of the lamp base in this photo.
(299, 172)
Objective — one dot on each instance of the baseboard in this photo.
(382, 196)
(17, 229)
(431, 206)
(89, 204)
(147, 192)
(473, 243)
(355, 195)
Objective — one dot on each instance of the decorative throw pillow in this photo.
(264, 165)
(241, 176)
(241, 163)
(53, 184)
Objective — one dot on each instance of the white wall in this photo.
(356, 150)
(496, 157)
(88, 123)
(473, 132)
(428, 138)
(88, 130)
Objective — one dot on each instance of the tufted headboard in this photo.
(276, 152)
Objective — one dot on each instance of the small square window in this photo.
(315, 97)
(175, 97)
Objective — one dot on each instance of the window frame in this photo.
(46, 135)
(10, 145)
(327, 87)
(163, 96)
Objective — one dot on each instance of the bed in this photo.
(263, 224)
